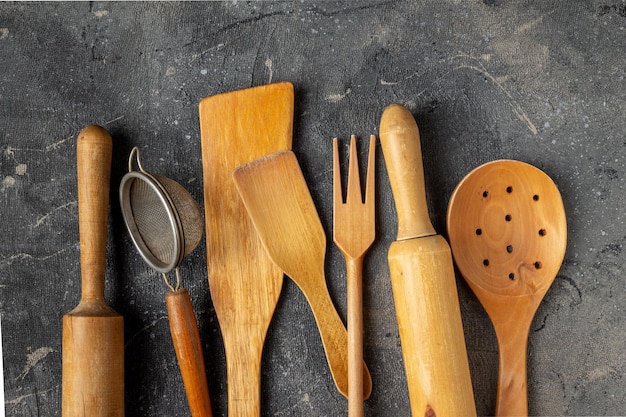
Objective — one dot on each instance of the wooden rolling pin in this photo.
(93, 334)
(423, 283)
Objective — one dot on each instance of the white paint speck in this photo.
(335, 98)
(204, 71)
(411, 105)
(170, 71)
(268, 65)
(101, 13)
(8, 182)
(21, 169)
(33, 359)
(4, 33)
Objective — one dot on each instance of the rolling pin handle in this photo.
(400, 140)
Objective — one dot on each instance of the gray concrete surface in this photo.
(541, 82)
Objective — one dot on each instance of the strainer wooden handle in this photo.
(186, 339)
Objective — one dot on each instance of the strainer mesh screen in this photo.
(153, 224)
(188, 211)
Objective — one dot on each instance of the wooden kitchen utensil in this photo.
(423, 283)
(277, 199)
(508, 234)
(354, 230)
(93, 334)
(236, 128)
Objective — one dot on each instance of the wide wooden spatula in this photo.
(238, 127)
(278, 201)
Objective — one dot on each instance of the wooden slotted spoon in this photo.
(507, 230)
(278, 201)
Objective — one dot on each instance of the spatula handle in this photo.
(93, 157)
(333, 333)
(186, 338)
(400, 140)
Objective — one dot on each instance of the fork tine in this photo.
(369, 183)
(337, 191)
(353, 193)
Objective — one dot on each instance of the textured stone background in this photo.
(541, 82)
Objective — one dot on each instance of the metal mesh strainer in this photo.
(163, 219)
(166, 224)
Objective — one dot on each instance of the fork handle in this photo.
(354, 274)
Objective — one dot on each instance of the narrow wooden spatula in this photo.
(236, 128)
(278, 201)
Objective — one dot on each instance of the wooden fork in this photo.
(354, 232)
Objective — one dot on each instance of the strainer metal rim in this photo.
(133, 230)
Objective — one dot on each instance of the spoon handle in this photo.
(512, 394)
